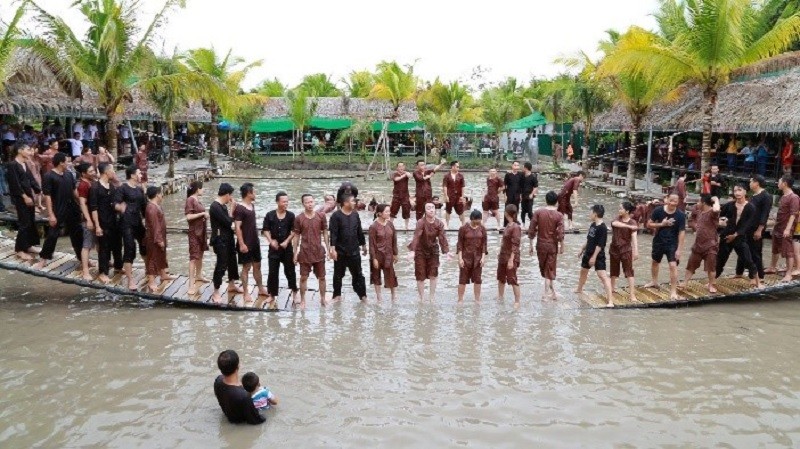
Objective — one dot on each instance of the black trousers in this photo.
(27, 235)
(72, 224)
(756, 252)
(739, 245)
(110, 244)
(352, 263)
(132, 234)
(526, 209)
(505, 220)
(273, 277)
(226, 261)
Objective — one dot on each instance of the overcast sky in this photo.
(446, 38)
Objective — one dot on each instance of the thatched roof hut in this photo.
(33, 89)
(346, 107)
(763, 98)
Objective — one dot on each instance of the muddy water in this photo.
(81, 369)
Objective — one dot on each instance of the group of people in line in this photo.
(116, 218)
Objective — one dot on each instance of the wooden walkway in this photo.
(66, 268)
(728, 288)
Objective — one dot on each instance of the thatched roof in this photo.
(345, 107)
(765, 97)
(34, 90)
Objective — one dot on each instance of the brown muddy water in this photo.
(87, 369)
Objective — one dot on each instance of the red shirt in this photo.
(83, 192)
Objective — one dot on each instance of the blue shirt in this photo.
(261, 398)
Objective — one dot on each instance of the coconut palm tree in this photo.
(319, 85)
(394, 84)
(703, 42)
(443, 98)
(440, 124)
(249, 108)
(301, 111)
(270, 88)
(359, 84)
(360, 131)
(8, 42)
(229, 72)
(110, 58)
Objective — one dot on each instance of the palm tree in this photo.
(443, 98)
(552, 98)
(359, 84)
(440, 124)
(319, 85)
(703, 42)
(498, 110)
(301, 111)
(270, 88)
(229, 72)
(109, 58)
(249, 108)
(394, 84)
(8, 42)
(360, 131)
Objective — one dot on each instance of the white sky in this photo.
(447, 38)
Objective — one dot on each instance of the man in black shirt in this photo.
(222, 242)
(61, 197)
(593, 253)
(346, 236)
(233, 399)
(104, 216)
(512, 184)
(739, 216)
(277, 229)
(669, 225)
(762, 204)
(23, 188)
(717, 182)
(530, 188)
(130, 203)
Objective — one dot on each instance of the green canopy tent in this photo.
(531, 121)
(396, 127)
(475, 128)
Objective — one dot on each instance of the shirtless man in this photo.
(424, 192)
(310, 234)
(453, 193)
(569, 190)
(668, 224)
(547, 227)
(705, 246)
(429, 237)
(401, 199)
(491, 202)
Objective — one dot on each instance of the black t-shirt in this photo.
(668, 236)
(529, 183)
(135, 203)
(596, 237)
(513, 183)
(101, 200)
(762, 203)
(717, 190)
(236, 403)
(221, 222)
(279, 229)
(346, 232)
(61, 190)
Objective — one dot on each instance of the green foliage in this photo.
(319, 85)
(394, 84)
(270, 88)
(359, 84)
(8, 42)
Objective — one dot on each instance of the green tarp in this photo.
(531, 121)
(283, 124)
(475, 128)
(395, 127)
(276, 125)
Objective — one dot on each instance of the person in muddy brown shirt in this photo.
(706, 244)
(401, 199)
(472, 248)
(624, 248)
(547, 227)
(382, 252)
(491, 202)
(453, 192)
(310, 233)
(508, 258)
(424, 192)
(429, 237)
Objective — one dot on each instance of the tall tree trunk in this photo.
(214, 136)
(170, 135)
(113, 120)
(587, 132)
(630, 176)
(710, 95)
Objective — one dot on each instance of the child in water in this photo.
(593, 253)
(262, 397)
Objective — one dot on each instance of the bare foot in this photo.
(651, 285)
(578, 291)
(192, 291)
(24, 256)
(796, 273)
(248, 299)
(682, 284)
(295, 296)
(263, 292)
(632, 298)
(152, 288)
(168, 277)
(40, 264)
(204, 280)
(216, 298)
(233, 288)
(103, 278)
(610, 304)
(87, 277)
(770, 270)
(674, 296)
(92, 264)
(787, 278)
(712, 289)
(339, 298)
(132, 286)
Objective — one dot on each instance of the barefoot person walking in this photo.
(453, 193)
(740, 220)
(429, 237)
(508, 257)
(788, 207)
(23, 189)
(60, 193)
(155, 240)
(277, 229)
(593, 253)
(669, 225)
(130, 203)
(106, 226)
(706, 244)
(310, 234)
(400, 196)
(347, 236)
(547, 227)
(249, 245)
(472, 248)
(568, 191)
(491, 202)
(383, 252)
(222, 241)
(86, 173)
(197, 217)
(624, 248)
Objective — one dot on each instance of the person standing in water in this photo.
(547, 227)
(249, 245)
(277, 229)
(512, 185)
(472, 248)
(624, 248)
(197, 217)
(668, 224)
(530, 188)
(310, 233)
(141, 162)
(491, 202)
(569, 190)
(593, 253)
(429, 237)
(60, 193)
(424, 192)
(222, 242)
(155, 239)
(453, 193)
(401, 199)
(106, 226)
(130, 203)
(347, 236)
(383, 251)
(508, 258)
(706, 244)
(23, 189)
(740, 219)
(788, 207)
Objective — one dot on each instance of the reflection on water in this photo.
(82, 369)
